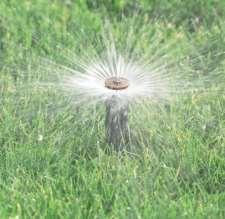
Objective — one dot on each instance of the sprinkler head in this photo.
(116, 83)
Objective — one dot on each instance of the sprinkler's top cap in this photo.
(116, 83)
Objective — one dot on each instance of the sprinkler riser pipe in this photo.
(117, 122)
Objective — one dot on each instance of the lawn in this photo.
(54, 160)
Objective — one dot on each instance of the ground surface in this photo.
(55, 166)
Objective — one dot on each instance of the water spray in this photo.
(120, 83)
(116, 114)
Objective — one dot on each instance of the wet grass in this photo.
(53, 160)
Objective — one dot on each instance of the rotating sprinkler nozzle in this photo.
(116, 83)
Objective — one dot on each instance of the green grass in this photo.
(53, 162)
